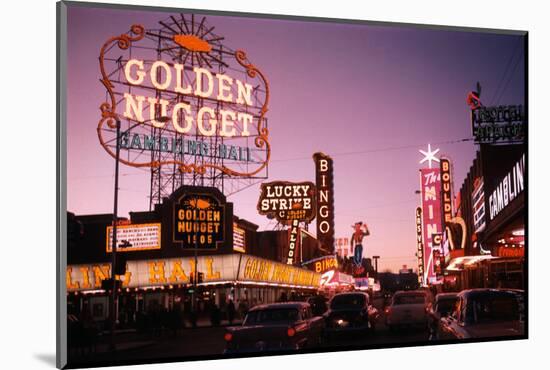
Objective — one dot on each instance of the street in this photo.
(208, 341)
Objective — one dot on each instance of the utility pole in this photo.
(376, 264)
(114, 241)
(196, 272)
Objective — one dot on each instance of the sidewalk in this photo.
(130, 339)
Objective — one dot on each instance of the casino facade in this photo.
(156, 268)
(492, 202)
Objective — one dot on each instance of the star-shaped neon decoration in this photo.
(429, 156)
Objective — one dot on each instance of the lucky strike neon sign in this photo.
(179, 105)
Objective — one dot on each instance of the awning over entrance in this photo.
(461, 263)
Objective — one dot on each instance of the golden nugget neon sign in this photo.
(180, 86)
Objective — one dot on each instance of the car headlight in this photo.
(341, 323)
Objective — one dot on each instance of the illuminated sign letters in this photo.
(507, 189)
(199, 221)
(430, 181)
(325, 200)
(419, 245)
(288, 201)
(478, 205)
(446, 189)
(239, 239)
(322, 264)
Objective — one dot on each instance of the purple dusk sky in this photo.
(369, 96)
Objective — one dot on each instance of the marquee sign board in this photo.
(504, 124)
(217, 269)
(134, 237)
(186, 100)
(287, 201)
(239, 239)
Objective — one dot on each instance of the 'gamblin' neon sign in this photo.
(186, 95)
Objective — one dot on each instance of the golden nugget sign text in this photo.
(263, 270)
(206, 85)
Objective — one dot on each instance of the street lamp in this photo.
(196, 271)
(113, 308)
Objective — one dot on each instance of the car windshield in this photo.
(446, 305)
(348, 300)
(491, 308)
(409, 299)
(282, 315)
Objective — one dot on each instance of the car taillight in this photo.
(387, 310)
(228, 337)
(290, 332)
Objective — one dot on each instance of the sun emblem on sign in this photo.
(190, 41)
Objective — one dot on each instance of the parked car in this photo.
(444, 304)
(408, 308)
(275, 327)
(482, 313)
(520, 295)
(318, 304)
(348, 313)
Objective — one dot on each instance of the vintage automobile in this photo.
(444, 304)
(275, 327)
(408, 308)
(318, 304)
(349, 313)
(483, 313)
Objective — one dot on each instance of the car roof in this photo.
(281, 305)
(471, 293)
(442, 296)
(414, 292)
(350, 293)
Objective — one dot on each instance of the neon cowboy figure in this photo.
(360, 231)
